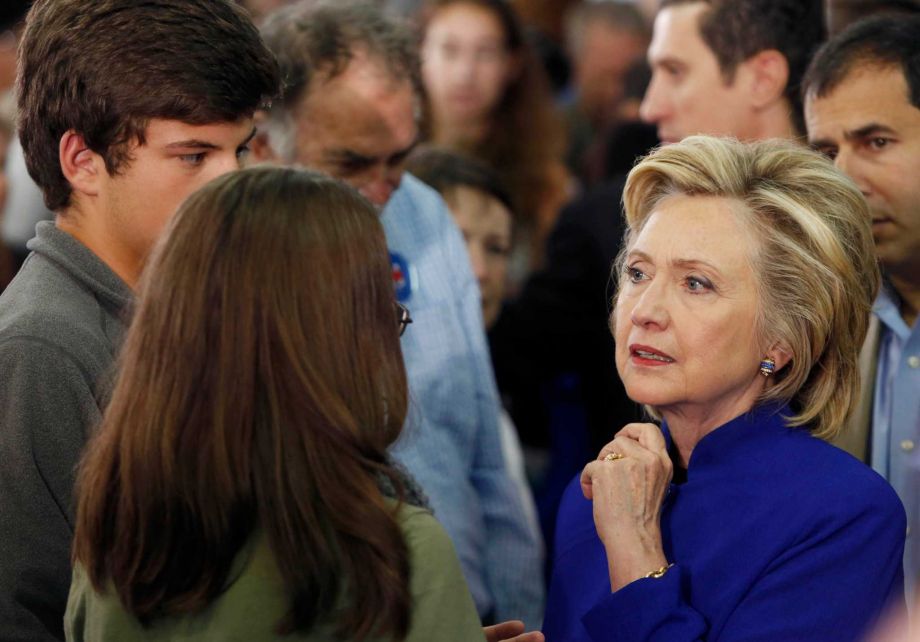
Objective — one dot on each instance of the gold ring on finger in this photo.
(613, 456)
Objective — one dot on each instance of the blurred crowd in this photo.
(493, 139)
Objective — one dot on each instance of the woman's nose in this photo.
(651, 307)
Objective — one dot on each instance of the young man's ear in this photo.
(82, 167)
(260, 147)
(769, 75)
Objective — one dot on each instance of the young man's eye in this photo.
(243, 152)
(193, 159)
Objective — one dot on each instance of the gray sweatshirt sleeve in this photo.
(46, 403)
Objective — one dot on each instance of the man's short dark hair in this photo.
(882, 41)
(310, 38)
(106, 68)
(736, 30)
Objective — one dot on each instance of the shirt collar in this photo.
(887, 308)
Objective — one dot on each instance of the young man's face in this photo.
(869, 127)
(358, 127)
(175, 160)
(688, 93)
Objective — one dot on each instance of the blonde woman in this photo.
(745, 287)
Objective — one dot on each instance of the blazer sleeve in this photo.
(832, 585)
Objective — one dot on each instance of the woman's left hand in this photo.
(628, 493)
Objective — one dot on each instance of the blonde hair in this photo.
(815, 264)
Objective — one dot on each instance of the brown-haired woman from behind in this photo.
(239, 487)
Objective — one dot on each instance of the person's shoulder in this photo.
(443, 607)
(599, 205)
(418, 225)
(417, 205)
(597, 215)
(835, 478)
(425, 536)
(45, 306)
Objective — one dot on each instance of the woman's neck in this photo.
(687, 425)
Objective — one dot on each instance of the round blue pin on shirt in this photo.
(404, 277)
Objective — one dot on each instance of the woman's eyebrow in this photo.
(692, 263)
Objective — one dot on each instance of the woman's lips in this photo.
(649, 356)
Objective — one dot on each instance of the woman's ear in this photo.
(82, 167)
(781, 355)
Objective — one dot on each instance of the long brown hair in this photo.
(260, 385)
(525, 136)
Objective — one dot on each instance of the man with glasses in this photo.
(350, 109)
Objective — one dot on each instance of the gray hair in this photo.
(316, 37)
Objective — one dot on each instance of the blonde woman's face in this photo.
(684, 322)
(465, 63)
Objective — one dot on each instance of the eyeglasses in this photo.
(402, 317)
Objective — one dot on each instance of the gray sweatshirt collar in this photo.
(78, 260)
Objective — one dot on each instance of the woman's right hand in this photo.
(627, 494)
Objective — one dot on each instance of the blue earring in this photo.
(767, 366)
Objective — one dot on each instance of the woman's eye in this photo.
(696, 284)
(635, 274)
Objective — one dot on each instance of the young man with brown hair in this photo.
(125, 109)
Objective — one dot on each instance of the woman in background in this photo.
(239, 487)
(488, 97)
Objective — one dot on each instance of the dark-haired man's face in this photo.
(359, 127)
(869, 127)
(176, 159)
(688, 93)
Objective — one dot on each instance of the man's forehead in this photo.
(365, 72)
(676, 26)
(868, 93)
(170, 132)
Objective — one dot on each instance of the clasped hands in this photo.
(627, 494)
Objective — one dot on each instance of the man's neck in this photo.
(92, 234)
(776, 122)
